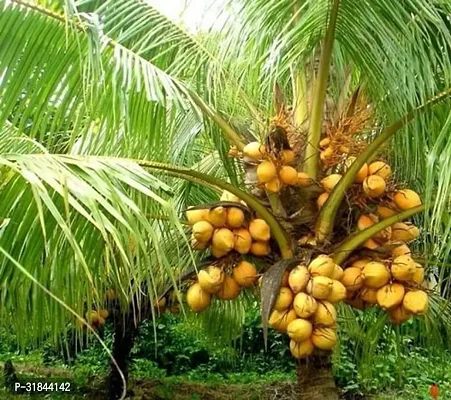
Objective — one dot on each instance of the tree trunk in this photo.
(125, 331)
(315, 379)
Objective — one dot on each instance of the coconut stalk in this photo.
(319, 97)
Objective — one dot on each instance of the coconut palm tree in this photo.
(114, 119)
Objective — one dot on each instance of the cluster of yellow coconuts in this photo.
(97, 318)
(304, 308)
(226, 229)
(215, 280)
(394, 284)
(373, 178)
(274, 171)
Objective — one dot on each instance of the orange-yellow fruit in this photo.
(104, 313)
(369, 295)
(260, 249)
(324, 338)
(281, 319)
(330, 181)
(203, 231)
(304, 305)
(227, 196)
(322, 198)
(245, 274)
(284, 299)
(399, 315)
(194, 216)
(288, 156)
(365, 221)
(320, 287)
(321, 266)
(363, 172)
(211, 278)
(197, 298)
(217, 217)
(404, 232)
(324, 142)
(338, 273)
(218, 252)
(385, 211)
(299, 330)
(102, 320)
(384, 235)
(303, 179)
(326, 154)
(374, 186)
(254, 150)
(338, 292)
(379, 168)
(288, 175)
(406, 198)
(371, 244)
(259, 230)
(273, 186)
(243, 240)
(266, 171)
(298, 278)
(223, 239)
(403, 268)
(352, 279)
(302, 349)
(401, 251)
(229, 289)
(418, 276)
(235, 217)
(416, 302)
(92, 317)
(325, 314)
(390, 296)
(375, 275)
(197, 245)
(360, 263)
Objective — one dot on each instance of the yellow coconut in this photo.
(218, 252)
(223, 239)
(330, 181)
(369, 295)
(260, 249)
(245, 274)
(385, 211)
(360, 263)
(402, 250)
(285, 277)
(399, 315)
(273, 186)
(243, 240)
(288, 175)
(338, 273)
(324, 338)
(235, 217)
(227, 196)
(254, 150)
(284, 299)
(303, 179)
(259, 230)
(229, 289)
(320, 287)
(418, 276)
(379, 168)
(102, 320)
(384, 235)
(299, 330)
(403, 268)
(298, 278)
(281, 319)
(375, 275)
(266, 171)
(365, 221)
(325, 315)
(302, 349)
(92, 317)
(404, 232)
(197, 245)
(197, 298)
(194, 216)
(363, 172)
(406, 198)
(324, 142)
(371, 244)
(203, 231)
(338, 292)
(288, 156)
(326, 154)
(352, 279)
(390, 296)
(321, 266)
(304, 305)
(416, 302)
(211, 278)
(217, 217)
(322, 198)
(374, 186)
(104, 313)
